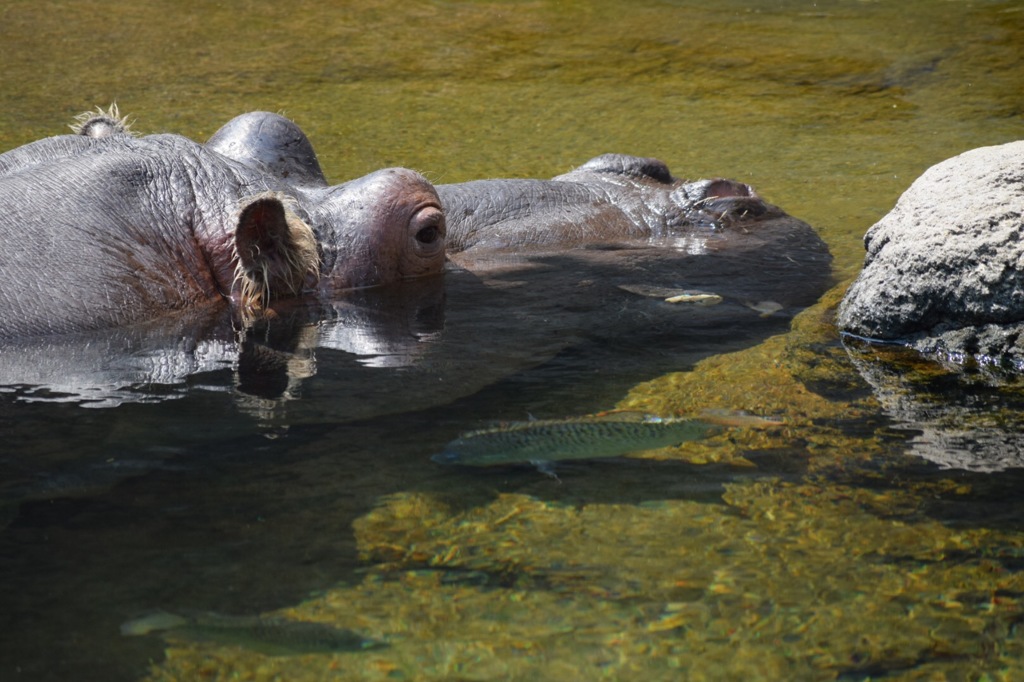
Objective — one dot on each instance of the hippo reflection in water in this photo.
(536, 266)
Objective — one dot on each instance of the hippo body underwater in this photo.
(590, 267)
(103, 229)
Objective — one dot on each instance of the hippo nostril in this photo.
(717, 189)
(707, 192)
(719, 202)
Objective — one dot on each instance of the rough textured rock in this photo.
(944, 270)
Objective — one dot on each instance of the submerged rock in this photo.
(807, 581)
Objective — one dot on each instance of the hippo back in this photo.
(97, 238)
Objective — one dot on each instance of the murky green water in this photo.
(824, 550)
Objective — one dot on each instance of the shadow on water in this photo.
(228, 469)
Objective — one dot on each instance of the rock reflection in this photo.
(959, 419)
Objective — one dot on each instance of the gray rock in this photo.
(944, 270)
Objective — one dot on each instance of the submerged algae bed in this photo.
(822, 549)
(782, 581)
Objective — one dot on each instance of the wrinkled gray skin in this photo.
(609, 199)
(944, 270)
(632, 222)
(578, 269)
(102, 229)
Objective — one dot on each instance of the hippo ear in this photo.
(276, 252)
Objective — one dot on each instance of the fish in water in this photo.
(554, 440)
(266, 635)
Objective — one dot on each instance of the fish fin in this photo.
(620, 416)
(765, 308)
(445, 457)
(545, 467)
(739, 419)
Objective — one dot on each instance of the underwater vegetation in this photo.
(810, 578)
(822, 549)
(781, 581)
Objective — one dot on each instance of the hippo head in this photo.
(381, 228)
(638, 184)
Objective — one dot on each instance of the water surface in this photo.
(837, 547)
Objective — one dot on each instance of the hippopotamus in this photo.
(943, 269)
(617, 264)
(103, 229)
(615, 256)
(714, 233)
(609, 199)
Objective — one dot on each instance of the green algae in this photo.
(268, 636)
(804, 377)
(781, 581)
(843, 573)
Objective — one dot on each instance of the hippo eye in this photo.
(428, 226)
(428, 235)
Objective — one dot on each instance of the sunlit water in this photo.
(837, 547)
